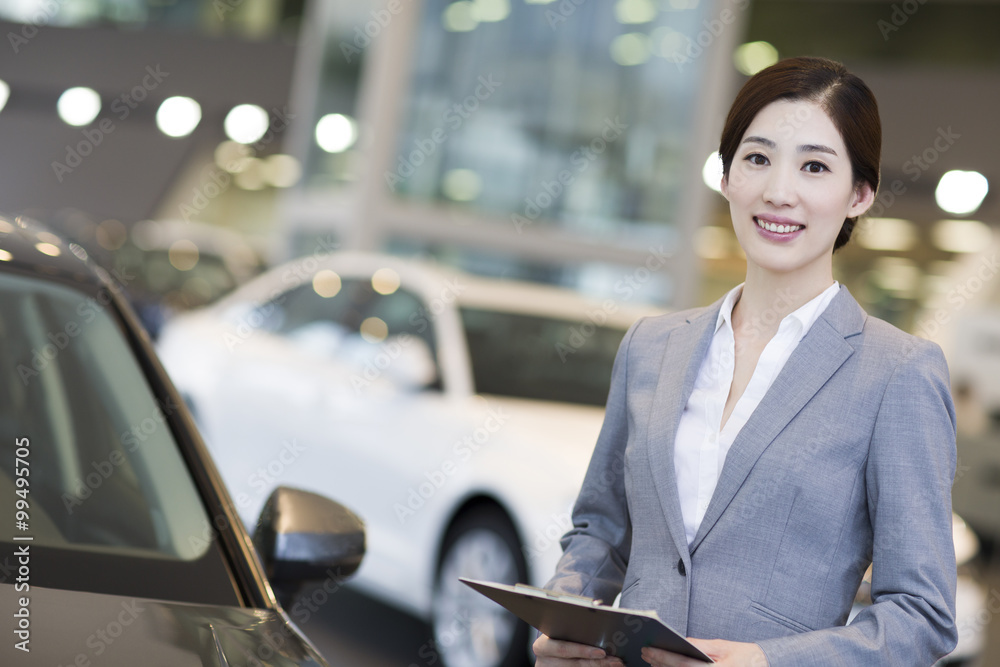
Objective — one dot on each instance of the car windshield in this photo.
(89, 467)
(540, 357)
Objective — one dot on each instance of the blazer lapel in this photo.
(685, 349)
(818, 356)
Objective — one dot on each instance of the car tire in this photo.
(471, 630)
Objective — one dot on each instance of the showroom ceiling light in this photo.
(459, 17)
(490, 11)
(281, 171)
(79, 106)
(752, 57)
(335, 132)
(670, 44)
(5, 255)
(461, 185)
(4, 94)
(183, 255)
(374, 330)
(961, 192)
(326, 283)
(635, 11)
(711, 173)
(632, 48)
(246, 123)
(49, 249)
(962, 235)
(385, 281)
(178, 116)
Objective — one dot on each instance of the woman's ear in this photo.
(725, 186)
(863, 199)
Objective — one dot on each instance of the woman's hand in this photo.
(554, 653)
(725, 654)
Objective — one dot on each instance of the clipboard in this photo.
(620, 632)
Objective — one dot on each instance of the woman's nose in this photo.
(779, 189)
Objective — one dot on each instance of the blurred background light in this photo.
(374, 330)
(336, 132)
(892, 234)
(487, 11)
(5, 256)
(635, 11)
(251, 177)
(49, 249)
(183, 255)
(461, 185)
(752, 57)
(962, 236)
(79, 106)
(4, 94)
(232, 156)
(246, 123)
(670, 44)
(632, 48)
(711, 173)
(898, 275)
(178, 116)
(111, 234)
(712, 242)
(961, 192)
(281, 171)
(459, 17)
(326, 283)
(385, 281)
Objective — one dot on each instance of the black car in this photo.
(118, 543)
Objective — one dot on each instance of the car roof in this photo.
(32, 249)
(434, 281)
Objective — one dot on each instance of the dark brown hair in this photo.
(845, 98)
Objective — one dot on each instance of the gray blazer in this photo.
(849, 458)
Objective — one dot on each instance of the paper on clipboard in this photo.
(620, 632)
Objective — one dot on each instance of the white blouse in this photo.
(701, 447)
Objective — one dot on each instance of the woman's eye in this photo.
(756, 158)
(816, 167)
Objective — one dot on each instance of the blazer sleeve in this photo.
(909, 475)
(596, 548)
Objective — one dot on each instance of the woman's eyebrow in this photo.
(816, 148)
(759, 140)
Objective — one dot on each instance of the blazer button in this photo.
(680, 567)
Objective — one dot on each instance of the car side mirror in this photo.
(302, 536)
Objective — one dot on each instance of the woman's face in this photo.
(790, 186)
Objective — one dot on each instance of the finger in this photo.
(557, 653)
(660, 658)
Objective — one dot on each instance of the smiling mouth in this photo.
(776, 228)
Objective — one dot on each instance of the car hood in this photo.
(76, 628)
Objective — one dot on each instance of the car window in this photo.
(355, 311)
(541, 358)
(102, 479)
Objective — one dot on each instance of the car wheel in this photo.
(471, 630)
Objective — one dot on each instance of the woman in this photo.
(758, 454)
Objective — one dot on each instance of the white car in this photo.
(455, 414)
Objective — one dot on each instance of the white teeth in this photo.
(777, 229)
